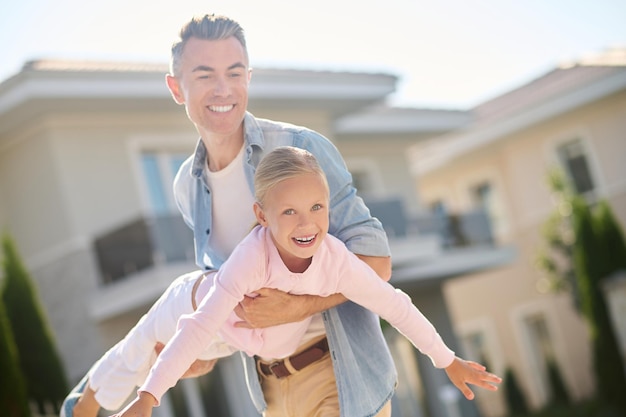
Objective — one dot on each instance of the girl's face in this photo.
(296, 212)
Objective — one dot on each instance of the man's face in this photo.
(212, 81)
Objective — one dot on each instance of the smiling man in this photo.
(210, 76)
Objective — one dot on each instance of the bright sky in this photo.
(447, 53)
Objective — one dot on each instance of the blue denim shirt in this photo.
(365, 372)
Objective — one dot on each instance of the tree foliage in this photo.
(583, 246)
(39, 362)
(13, 401)
(599, 252)
(515, 397)
(558, 391)
(554, 257)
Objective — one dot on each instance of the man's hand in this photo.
(272, 307)
(87, 405)
(198, 368)
(141, 406)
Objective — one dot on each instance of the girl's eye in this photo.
(289, 211)
(316, 207)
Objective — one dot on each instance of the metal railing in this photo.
(455, 230)
(149, 241)
(141, 244)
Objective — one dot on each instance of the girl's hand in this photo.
(462, 372)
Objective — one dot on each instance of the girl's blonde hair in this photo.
(283, 163)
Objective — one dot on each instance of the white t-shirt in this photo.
(232, 208)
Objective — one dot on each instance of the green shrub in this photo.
(38, 359)
(13, 401)
(515, 398)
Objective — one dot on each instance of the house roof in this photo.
(356, 99)
(563, 89)
(52, 84)
(52, 65)
(378, 120)
(566, 77)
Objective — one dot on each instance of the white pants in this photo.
(127, 364)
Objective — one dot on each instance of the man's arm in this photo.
(273, 307)
(380, 264)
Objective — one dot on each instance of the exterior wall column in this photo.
(441, 396)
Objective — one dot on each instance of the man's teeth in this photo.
(221, 109)
(305, 239)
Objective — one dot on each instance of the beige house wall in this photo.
(497, 302)
(385, 159)
(83, 172)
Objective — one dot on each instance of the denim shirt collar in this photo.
(253, 139)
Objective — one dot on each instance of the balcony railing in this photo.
(141, 244)
(150, 241)
(455, 230)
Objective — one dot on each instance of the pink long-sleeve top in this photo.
(255, 263)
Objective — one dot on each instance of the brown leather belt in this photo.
(298, 361)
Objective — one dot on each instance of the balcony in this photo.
(148, 242)
(139, 259)
(428, 248)
(143, 244)
(454, 231)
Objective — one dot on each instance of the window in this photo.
(475, 348)
(489, 212)
(573, 157)
(541, 349)
(361, 181)
(439, 208)
(159, 169)
(366, 177)
(482, 195)
(539, 335)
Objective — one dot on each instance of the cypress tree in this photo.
(515, 398)
(593, 263)
(611, 232)
(558, 391)
(38, 359)
(13, 401)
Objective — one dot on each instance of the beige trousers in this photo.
(310, 392)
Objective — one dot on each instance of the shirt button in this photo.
(208, 231)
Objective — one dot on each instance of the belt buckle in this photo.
(273, 368)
